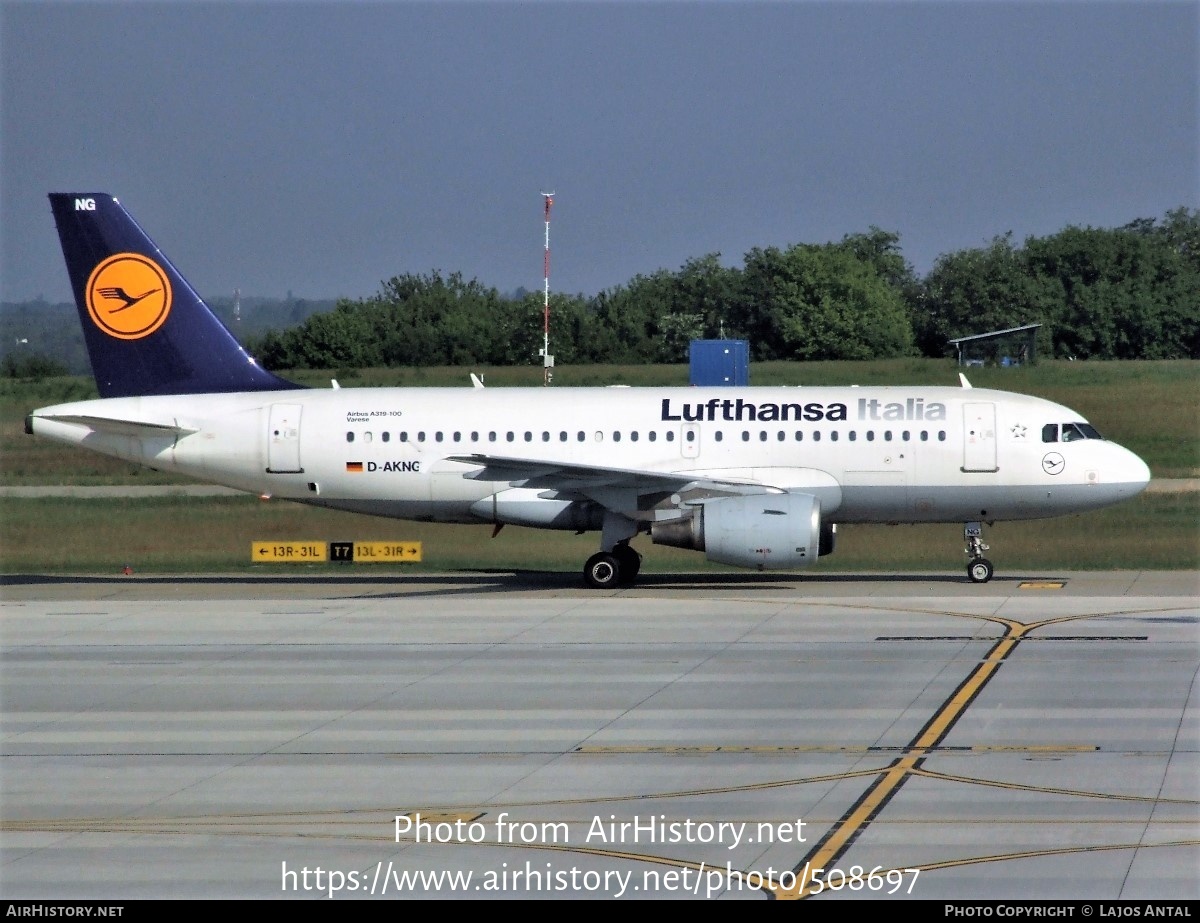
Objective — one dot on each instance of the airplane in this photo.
(750, 476)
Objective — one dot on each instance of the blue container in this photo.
(720, 362)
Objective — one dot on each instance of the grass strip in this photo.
(206, 535)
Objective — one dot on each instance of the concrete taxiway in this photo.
(514, 735)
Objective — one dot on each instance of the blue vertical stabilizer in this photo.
(146, 329)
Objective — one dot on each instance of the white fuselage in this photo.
(871, 454)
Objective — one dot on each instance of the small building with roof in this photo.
(1014, 346)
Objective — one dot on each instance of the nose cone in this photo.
(1131, 472)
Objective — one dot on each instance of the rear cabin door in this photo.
(283, 439)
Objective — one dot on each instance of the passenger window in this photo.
(924, 435)
(799, 436)
(718, 435)
(887, 435)
(670, 435)
(853, 436)
(421, 436)
(528, 436)
(745, 435)
(834, 435)
(386, 437)
(870, 435)
(616, 435)
(816, 435)
(492, 437)
(438, 436)
(562, 437)
(510, 436)
(404, 436)
(349, 437)
(941, 435)
(633, 437)
(458, 437)
(652, 435)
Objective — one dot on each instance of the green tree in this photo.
(881, 250)
(1123, 293)
(980, 290)
(819, 302)
(705, 288)
(32, 366)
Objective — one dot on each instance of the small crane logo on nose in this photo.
(1053, 463)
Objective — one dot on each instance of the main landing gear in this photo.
(979, 568)
(615, 564)
(607, 570)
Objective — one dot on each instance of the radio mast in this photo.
(547, 359)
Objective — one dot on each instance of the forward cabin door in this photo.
(283, 439)
(979, 437)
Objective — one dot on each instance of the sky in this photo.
(321, 148)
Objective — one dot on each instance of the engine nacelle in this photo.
(767, 531)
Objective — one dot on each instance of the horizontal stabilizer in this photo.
(110, 425)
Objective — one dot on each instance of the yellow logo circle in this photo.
(128, 296)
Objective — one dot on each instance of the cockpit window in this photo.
(1071, 432)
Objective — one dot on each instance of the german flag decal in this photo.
(354, 467)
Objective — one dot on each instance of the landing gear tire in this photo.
(629, 562)
(602, 571)
(980, 570)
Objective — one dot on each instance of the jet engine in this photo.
(767, 531)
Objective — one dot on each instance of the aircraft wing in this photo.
(596, 481)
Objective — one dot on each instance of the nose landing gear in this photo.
(979, 568)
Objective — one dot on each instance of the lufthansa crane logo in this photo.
(128, 296)
(1053, 463)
